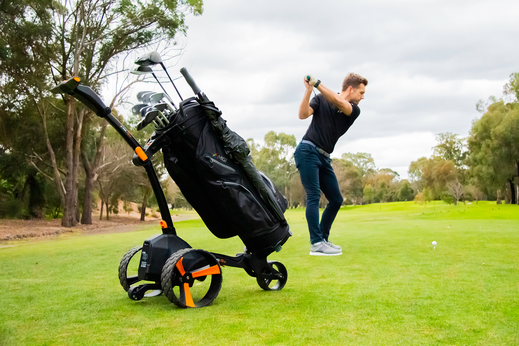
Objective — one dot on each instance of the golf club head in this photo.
(145, 98)
(149, 116)
(140, 93)
(145, 110)
(140, 70)
(156, 98)
(149, 59)
(161, 106)
(136, 110)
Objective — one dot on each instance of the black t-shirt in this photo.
(328, 123)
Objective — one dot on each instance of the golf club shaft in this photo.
(171, 80)
(154, 76)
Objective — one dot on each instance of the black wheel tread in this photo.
(167, 273)
(123, 266)
(280, 267)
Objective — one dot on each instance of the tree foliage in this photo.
(44, 42)
(494, 147)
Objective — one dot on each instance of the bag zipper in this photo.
(211, 160)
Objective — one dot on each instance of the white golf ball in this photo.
(434, 242)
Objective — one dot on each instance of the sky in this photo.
(427, 62)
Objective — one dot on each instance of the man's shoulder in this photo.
(355, 110)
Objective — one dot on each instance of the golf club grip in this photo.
(190, 81)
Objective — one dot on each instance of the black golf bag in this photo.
(211, 166)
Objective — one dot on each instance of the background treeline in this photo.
(57, 159)
(483, 165)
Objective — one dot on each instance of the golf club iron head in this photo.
(136, 110)
(140, 93)
(145, 98)
(149, 116)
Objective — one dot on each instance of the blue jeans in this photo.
(317, 175)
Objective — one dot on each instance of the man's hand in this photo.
(310, 79)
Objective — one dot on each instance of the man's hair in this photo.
(354, 80)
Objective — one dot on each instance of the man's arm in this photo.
(335, 99)
(305, 110)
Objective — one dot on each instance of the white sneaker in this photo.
(338, 247)
(323, 249)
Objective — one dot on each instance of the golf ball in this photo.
(434, 242)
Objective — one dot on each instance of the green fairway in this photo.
(390, 287)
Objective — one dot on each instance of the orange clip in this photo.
(163, 224)
(140, 153)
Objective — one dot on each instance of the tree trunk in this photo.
(73, 143)
(498, 196)
(517, 166)
(143, 206)
(91, 176)
(87, 201)
(101, 213)
(512, 192)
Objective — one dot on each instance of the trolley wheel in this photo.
(273, 284)
(126, 281)
(135, 293)
(184, 277)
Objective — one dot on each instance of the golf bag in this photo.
(212, 168)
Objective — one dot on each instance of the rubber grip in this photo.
(190, 80)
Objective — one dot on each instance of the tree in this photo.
(276, 160)
(349, 179)
(451, 147)
(433, 174)
(47, 40)
(405, 191)
(363, 161)
(368, 194)
(494, 148)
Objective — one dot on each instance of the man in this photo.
(333, 114)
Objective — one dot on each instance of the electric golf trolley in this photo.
(213, 169)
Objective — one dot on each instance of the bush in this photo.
(13, 208)
(447, 198)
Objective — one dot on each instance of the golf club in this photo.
(140, 70)
(157, 97)
(151, 59)
(136, 110)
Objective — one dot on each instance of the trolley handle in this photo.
(84, 94)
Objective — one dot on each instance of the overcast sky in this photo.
(427, 61)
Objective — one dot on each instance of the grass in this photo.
(390, 287)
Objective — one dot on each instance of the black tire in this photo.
(126, 281)
(187, 268)
(274, 284)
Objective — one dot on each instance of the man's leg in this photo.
(308, 164)
(330, 188)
